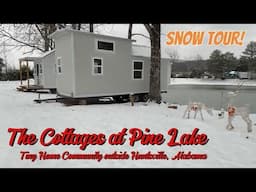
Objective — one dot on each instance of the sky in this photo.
(184, 51)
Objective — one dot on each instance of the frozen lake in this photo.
(213, 95)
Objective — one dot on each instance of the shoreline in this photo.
(218, 82)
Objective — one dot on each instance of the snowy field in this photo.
(225, 149)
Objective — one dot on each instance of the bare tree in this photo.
(154, 31)
(45, 30)
(34, 36)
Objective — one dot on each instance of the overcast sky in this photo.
(184, 52)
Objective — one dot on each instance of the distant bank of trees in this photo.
(219, 64)
(13, 74)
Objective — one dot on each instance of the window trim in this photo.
(107, 41)
(142, 70)
(59, 65)
(93, 66)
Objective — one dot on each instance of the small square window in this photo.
(137, 65)
(137, 75)
(97, 61)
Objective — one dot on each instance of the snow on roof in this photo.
(35, 57)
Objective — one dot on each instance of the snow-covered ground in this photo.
(194, 81)
(224, 149)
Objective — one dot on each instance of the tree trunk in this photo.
(48, 29)
(154, 88)
(91, 27)
(130, 31)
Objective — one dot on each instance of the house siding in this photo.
(49, 71)
(64, 81)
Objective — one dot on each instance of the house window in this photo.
(97, 66)
(137, 70)
(59, 65)
(105, 45)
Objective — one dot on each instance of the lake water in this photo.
(215, 96)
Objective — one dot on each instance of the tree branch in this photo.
(37, 27)
(8, 35)
(149, 29)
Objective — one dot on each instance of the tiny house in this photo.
(94, 65)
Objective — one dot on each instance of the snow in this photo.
(194, 81)
(225, 149)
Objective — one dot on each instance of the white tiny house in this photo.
(94, 65)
